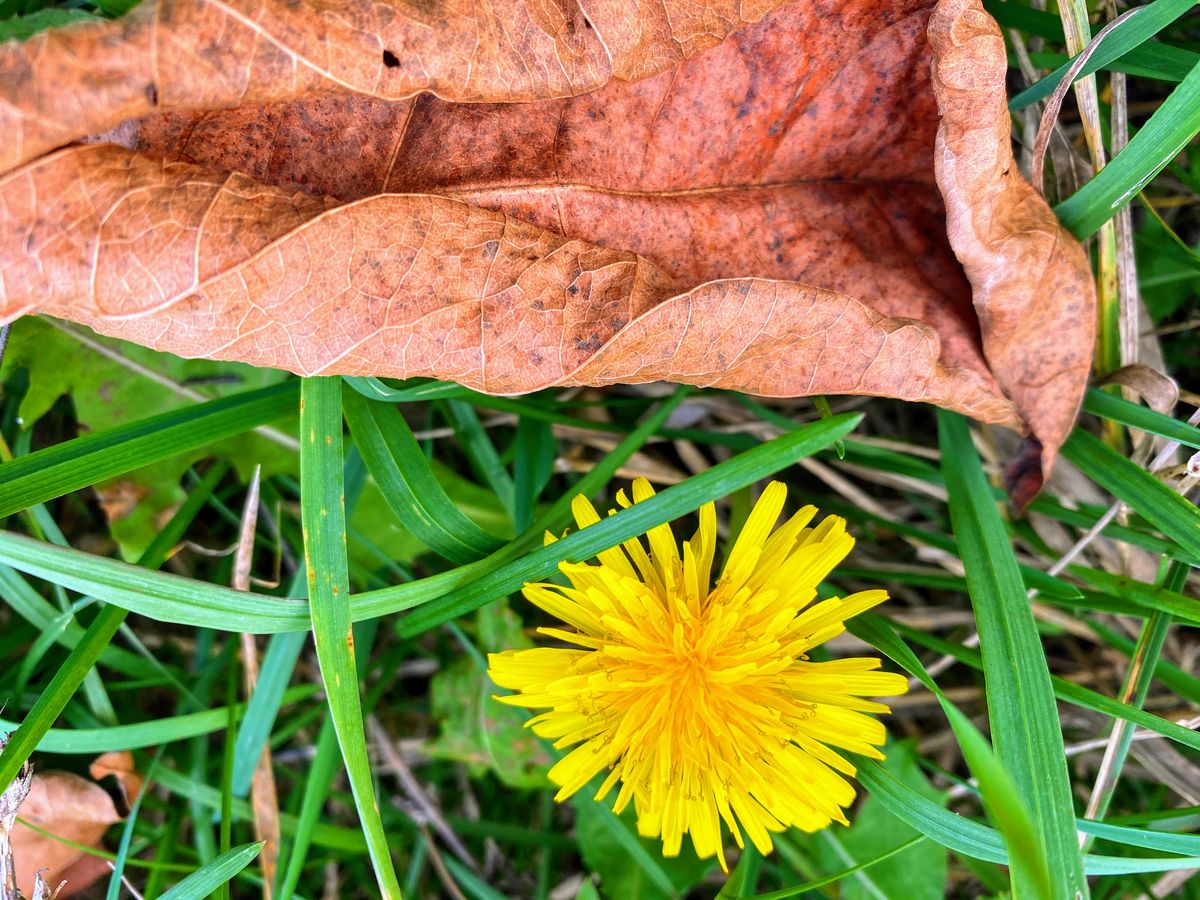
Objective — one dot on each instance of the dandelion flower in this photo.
(700, 701)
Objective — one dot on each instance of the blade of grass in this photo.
(89, 741)
(405, 478)
(325, 766)
(836, 876)
(54, 698)
(1169, 129)
(1065, 690)
(1001, 797)
(970, 838)
(675, 501)
(1020, 697)
(323, 516)
(414, 390)
(1117, 409)
(169, 598)
(204, 882)
(71, 465)
(1135, 31)
(1145, 494)
(482, 454)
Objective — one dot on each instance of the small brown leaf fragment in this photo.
(69, 807)
(119, 764)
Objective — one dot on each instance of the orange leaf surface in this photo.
(821, 201)
(71, 808)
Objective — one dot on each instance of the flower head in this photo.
(699, 700)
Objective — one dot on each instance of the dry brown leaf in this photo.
(824, 202)
(72, 808)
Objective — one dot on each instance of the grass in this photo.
(413, 512)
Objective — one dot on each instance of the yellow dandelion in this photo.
(701, 701)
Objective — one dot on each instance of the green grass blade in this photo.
(1117, 409)
(71, 465)
(1148, 21)
(136, 736)
(533, 465)
(402, 471)
(837, 876)
(1145, 494)
(472, 885)
(325, 765)
(1001, 797)
(970, 838)
(1171, 127)
(54, 698)
(1185, 844)
(415, 390)
(278, 663)
(481, 452)
(1020, 696)
(677, 500)
(157, 595)
(205, 881)
(323, 516)
(169, 598)
(1067, 691)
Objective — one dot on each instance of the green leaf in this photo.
(839, 876)
(630, 867)
(169, 598)
(1169, 129)
(1117, 409)
(1146, 22)
(19, 28)
(970, 838)
(324, 517)
(481, 452)
(206, 880)
(106, 392)
(1020, 697)
(55, 696)
(75, 464)
(402, 471)
(915, 874)
(135, 736)
(1149, 497)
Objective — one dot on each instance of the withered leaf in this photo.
(823, 202)
(71, 808)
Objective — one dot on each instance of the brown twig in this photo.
(264, 798)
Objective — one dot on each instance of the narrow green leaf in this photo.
(970, 838)
(1169, 129)
(1001, 796)
(1149, 497)
(402, 471)
(323, 515)
(1117, 409)
(71, 465)
(90, 741)
(837, 876)
(169, 598)
(59, 691)
(1146, 22)
(206, 880)
(675, 501)
(1147, 596)
(1067, 691)
(480, 451)
(415, 390)
(1021, 706)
